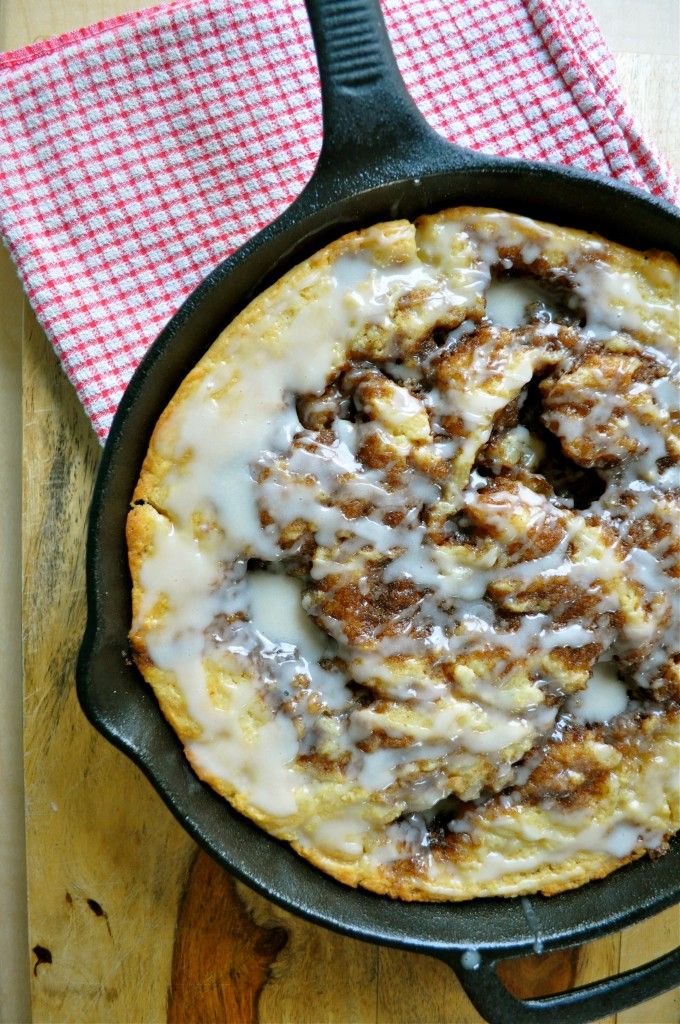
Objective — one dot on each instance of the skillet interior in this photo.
(110, 688)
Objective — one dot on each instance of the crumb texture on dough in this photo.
(404, 554)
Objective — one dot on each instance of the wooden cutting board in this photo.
(128, 921)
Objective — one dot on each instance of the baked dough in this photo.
(404, 558)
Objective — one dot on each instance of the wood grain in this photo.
(222, 956)
(97, 836)
(14, 992)
(128, 921)
(640, 944)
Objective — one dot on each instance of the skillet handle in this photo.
(369, 120)
(495, 1003)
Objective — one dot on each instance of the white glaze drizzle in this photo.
(239, 449)
(604, 697)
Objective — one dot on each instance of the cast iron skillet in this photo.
(379, 160)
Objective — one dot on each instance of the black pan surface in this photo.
(379, 160)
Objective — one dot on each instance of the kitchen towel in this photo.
(138, 153)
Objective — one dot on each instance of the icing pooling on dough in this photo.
(264, 687)
(604, 697)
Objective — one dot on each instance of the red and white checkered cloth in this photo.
(137, 154)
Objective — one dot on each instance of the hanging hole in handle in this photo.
(544, 974)
(481, 979)
(547, 974)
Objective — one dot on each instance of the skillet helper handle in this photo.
(369, 119)
(497, 1005)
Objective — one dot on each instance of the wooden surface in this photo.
(13, 941)
(127, 921)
